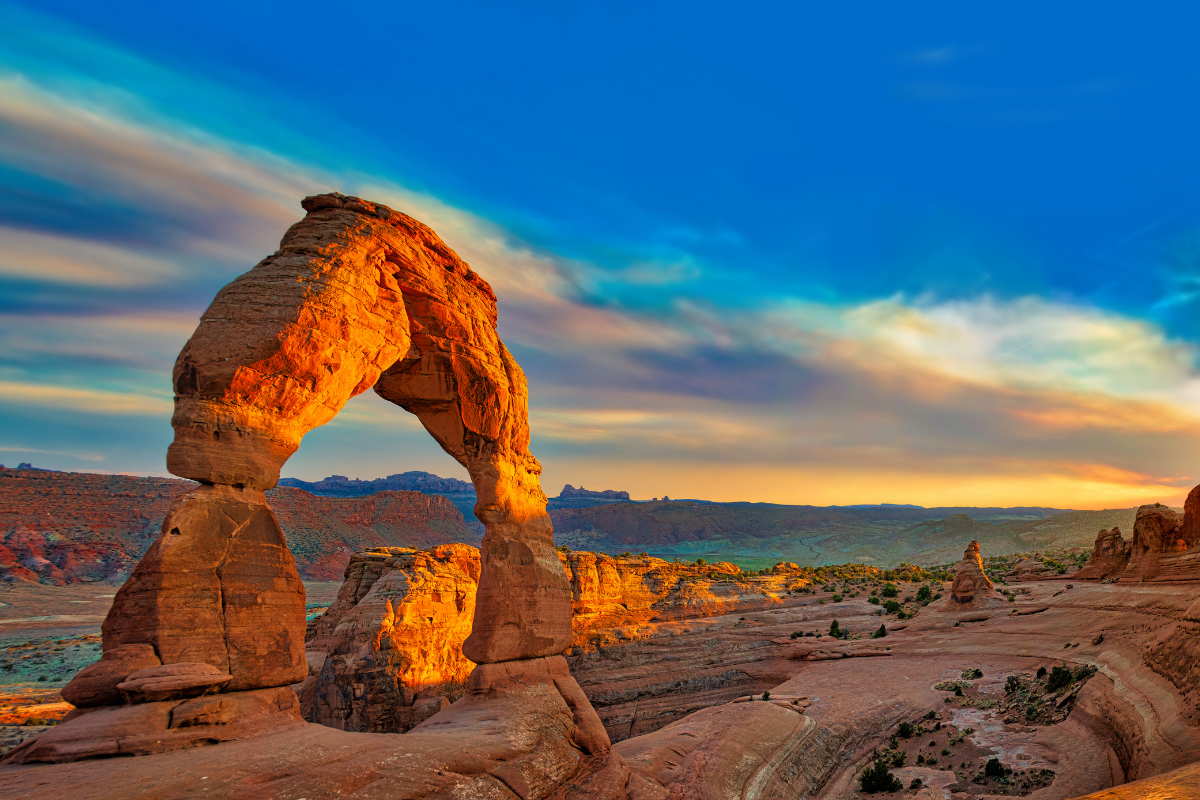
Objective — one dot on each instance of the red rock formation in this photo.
(1189, 530)
(387, 654)
(357, 296)
(1109, 556)
(1156, 533)
(971, 588)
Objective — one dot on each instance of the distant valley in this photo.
(64, 527)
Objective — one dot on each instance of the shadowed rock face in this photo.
(358, 296)
(1109, 556)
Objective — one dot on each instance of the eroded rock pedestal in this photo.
(972, 589)
(212, 619)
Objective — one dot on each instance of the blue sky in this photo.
(932, 254)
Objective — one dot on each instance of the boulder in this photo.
(96, 685)
(172, 682)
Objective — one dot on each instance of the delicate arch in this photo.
(357, 296)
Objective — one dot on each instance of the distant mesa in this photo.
(606, 494)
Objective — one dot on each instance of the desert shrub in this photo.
(837, 598)
(899, 758)
(924, 595)
(796, 634)
(1041, 673)
(879, 779)
(945, 752)
(879, 634)
(905, 729)
(835, 630)
(889, 590)
(766, 695)
(1059, 677)
(874, 600)
(958, 691)
(994, 769)
(920, 758)
(1012, 684)
(700, 562)
(917, 783)
(931, 714)
(891, 607)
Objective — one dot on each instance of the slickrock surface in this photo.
(80, 527)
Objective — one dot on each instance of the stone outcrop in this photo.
(387, 654)
(605, 494)
(1156, 533)
(971, 588)
(1109, 556)
(1029, 569)
(358, 296)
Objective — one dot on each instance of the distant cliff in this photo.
(77, 527)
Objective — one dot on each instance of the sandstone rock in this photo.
(219, 587)
(1109, 556)
(360, 296)
(393, 639)
(1028, 569)
(971, 587)
(96, 685)
(1156, 534)
(159, 727)
(1189, 529)
(172, 682)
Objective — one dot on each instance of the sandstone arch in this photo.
(358, 296)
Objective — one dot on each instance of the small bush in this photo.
(1012, 684)
(917, 783)
(879, 779)
(924, 595)
(920, 758)
(890, 590)
(1041, 673)
(945, 752)
(766, 695)
(994, 769)
(796, 634)
(879, 634)
(899, 758)
(837, 598)
(958, 691)
(1060, 677)
(835, 630)
(891, 606)
(905, 730)
(873, 600)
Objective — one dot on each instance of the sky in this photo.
(944, 253)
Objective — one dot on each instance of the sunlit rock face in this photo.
(1109, 556)
(971, 588)
(389, 649)
(388, 652)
